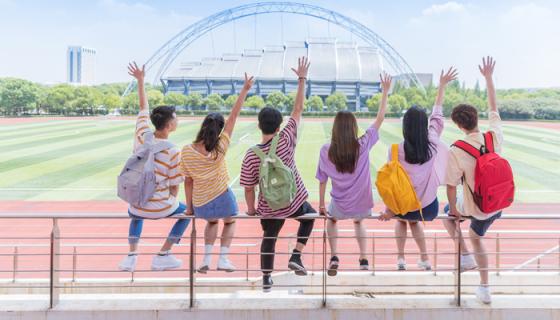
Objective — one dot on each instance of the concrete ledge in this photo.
(280, 305)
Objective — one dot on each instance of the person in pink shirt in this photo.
(423, 156)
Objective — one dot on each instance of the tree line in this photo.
(21, 97)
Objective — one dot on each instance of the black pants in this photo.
(271, 228)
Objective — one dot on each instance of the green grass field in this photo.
(80, 159)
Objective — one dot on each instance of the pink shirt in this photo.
(427, 177)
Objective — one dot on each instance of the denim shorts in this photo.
(224, 206)
(478, 226)
(337, 214)
(429, 213)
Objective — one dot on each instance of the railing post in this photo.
(192, 263)
(247, 263)
(324, 255)
(373, 253)
(15, 264)
(74, 263)
(312, 254)
(435, 254)
(54, 290)
(497, 254)
(558, 255)
(458, 238)
(539, 264)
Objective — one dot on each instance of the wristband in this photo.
(302, 78)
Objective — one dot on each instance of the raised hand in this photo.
(248, 82)
(135, 71)
(450, 75)
(487, 67)
(303, 67)
(386, 81)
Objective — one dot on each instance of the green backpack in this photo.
(276, 180)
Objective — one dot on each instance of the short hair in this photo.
(270, 120)
(161, 116)
(465, 116)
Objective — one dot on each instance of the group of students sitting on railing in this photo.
(407, 184)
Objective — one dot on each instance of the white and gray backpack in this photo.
(137, 180)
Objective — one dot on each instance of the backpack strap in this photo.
(468, 148)
(160, 146)
(274, 145)
(395, 152)
(259, 153)
(489, 141)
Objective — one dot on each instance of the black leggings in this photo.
(271, 229)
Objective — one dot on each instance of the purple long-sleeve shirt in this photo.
(427, 177)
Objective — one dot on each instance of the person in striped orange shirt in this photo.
(207, 181)
(164, 202)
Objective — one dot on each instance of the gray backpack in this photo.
(137, 180)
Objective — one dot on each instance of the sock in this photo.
(163, 253)
(132, 253)
(207, 254)
(296, 254)
(224, 252)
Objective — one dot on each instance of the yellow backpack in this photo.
(395, 188)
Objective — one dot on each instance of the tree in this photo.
(175, 99)
(194, 100)
(314, 103)
(373, 103)
(290, 101)
(276, 100)
(112, 101)
(336, 101)
(230, 101)
(214, 102)
(18, 96)
(59, 98)
(155, 98)
(255, 102)
(86, 99)
(397, 103)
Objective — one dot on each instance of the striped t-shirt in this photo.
(286, 151)
(209, 172)
(162, 204)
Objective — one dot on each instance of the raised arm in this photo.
(487, 70)
(385, 87)
(301, 72)
(230, 122)
(139, 74)
(444, 80)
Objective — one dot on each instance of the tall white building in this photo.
(80, 62)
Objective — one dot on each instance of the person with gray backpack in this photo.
(271, 166)
(150, 179)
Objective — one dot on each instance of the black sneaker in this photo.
(333, 266)
(364, 264)
(296, 265)
(267, 283)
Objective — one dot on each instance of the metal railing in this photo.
(318, 241)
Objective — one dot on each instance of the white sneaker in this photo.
(483, 294)
(128, 263)
(166, 262)
(225, 265)
(468, 263)
(424, 265)
(401, 264)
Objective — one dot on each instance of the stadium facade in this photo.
(335, 67)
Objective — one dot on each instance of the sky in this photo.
(523, 36)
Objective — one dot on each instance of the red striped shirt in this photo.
(286, 151)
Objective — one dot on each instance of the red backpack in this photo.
(493, 178)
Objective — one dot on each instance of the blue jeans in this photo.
(136, 224)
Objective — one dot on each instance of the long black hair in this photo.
(209, 133)
(418, 149)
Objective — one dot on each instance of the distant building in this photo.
(80, 64)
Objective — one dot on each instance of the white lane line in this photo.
(234, 180)
(537, 257)
(242, 139)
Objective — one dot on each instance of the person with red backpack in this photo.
(486, 178)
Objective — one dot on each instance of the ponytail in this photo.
(209, 133)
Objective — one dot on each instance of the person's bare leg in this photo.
(332, 233)
(211, 232)
(480, 256)
(400, 236)
(228, 232)
(418, 233)
(451, 226)
(360, 231)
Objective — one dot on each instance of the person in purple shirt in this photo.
(424, 157)
(345, 160)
